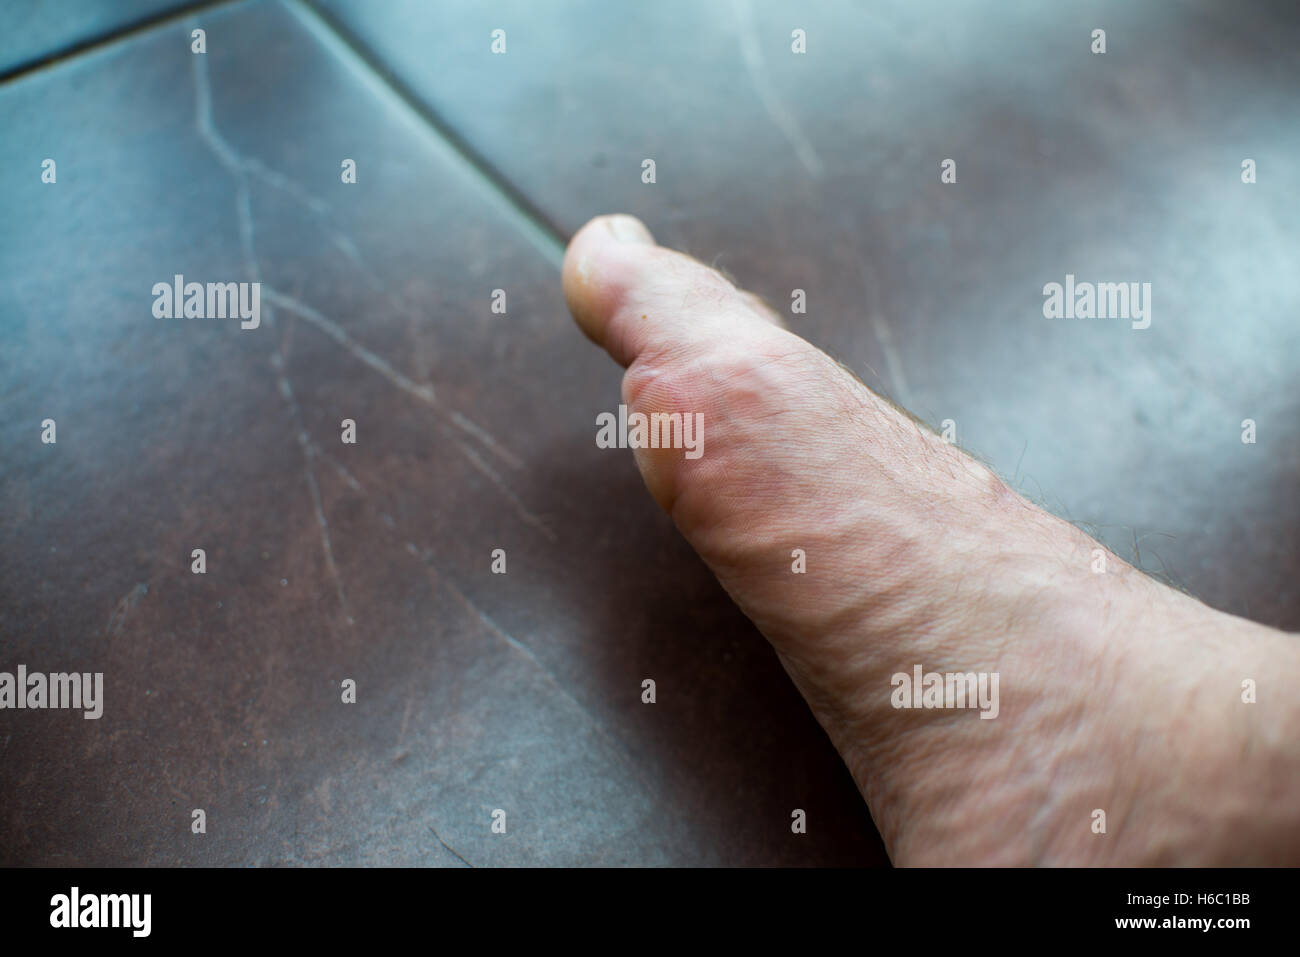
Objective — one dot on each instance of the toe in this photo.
(632, 296)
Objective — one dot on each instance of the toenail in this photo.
(629, 229)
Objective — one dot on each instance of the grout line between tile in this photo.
(539, 228)
(76, 49)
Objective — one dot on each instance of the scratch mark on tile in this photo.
(892, 360)
(239, 169)
(325, 534)
(436, 577)
(229, 157)
(406, 718)
(784, 119)
(350, 480)
(616, 746)
(491, 474)
(309, 469)
(480, 433)
(425, 393)
(448, 847)
(117, 620)
(242, 167)
(879, 325)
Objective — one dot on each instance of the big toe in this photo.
(698, 350)
(631, 296)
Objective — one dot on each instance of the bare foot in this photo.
(1116, 694)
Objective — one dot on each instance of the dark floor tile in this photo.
(821, 172)
(328, 561)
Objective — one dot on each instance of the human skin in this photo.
(1117, 693)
